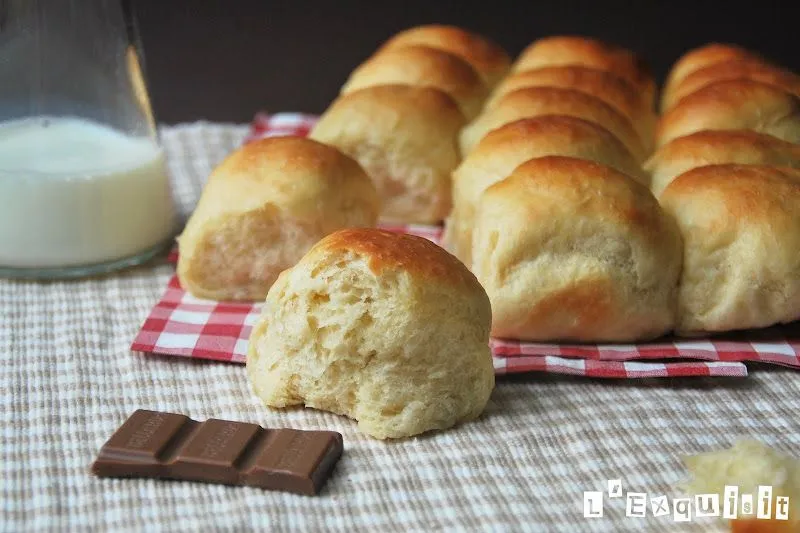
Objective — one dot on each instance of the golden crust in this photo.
(488, 59)
(573, 178)
(732, 105)
(608, 87)
(717, 147)
(272, 160)
(575, 50)
(503, 149)
(741, 187)
(741, 229)
(538, 101)
(386, 250)
(572, 136)
(698, 58)
(569, 249)
(406, 139)
(422, 66)
(735, 69)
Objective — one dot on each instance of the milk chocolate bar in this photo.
(153, 444)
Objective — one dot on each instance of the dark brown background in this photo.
(224, 59)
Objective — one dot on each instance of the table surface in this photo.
(69, 380)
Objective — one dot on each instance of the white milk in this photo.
(75, 192)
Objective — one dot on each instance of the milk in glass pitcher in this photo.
(84, 187)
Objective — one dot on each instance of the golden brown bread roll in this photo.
(423, 66)
(741, 231)
(262, 208)
(503, 149)
(488, 59)
(572, 250)
(608, 87)
(537, 101)
(734, 70)
(573, 50)
(716, 147)
(699, 58)
(733, 105)
(406, 138)
(385, 328)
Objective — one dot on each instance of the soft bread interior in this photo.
(747, 465)
(237, 257)
(336, 337)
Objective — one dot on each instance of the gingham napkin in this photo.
(182, 325)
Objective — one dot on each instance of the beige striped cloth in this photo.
(69, 380)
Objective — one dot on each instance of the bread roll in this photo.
(385, 328)
(488, 59)
(741, 230)
(572, 250)
(700, 58)
(262, 208)
(608, 87)
(425, 67)
(503, 149)
(572, 50)
(717, 147)
(538, 101)
(735, 70)
(406, 138)
(733, 105)
(747, 465)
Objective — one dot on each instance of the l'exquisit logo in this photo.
(733, 504)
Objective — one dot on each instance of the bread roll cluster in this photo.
(567, 226)
(726, 170)
(578, 77)
(551, 207)
(400, 113)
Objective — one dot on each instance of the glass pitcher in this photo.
(84, 187)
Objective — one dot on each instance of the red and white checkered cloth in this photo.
(183, 325)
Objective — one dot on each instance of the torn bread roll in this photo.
(733, 105)
(572, 250)
(713, 147)
(422, 66)
(538, 101)
(747, 465)
(406, 138)
(741, 230)
(503, 149)
(488, 59)
(583, 51)
(738, 69)
(610, 88)
(262, 208)
(699, 58)
(385, 328)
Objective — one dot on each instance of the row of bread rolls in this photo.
(578, 77)
(726, 171)
(724, 104)
(552, 212)
(400, 113)
(398, 118)
(551, 208)
(571, 111)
